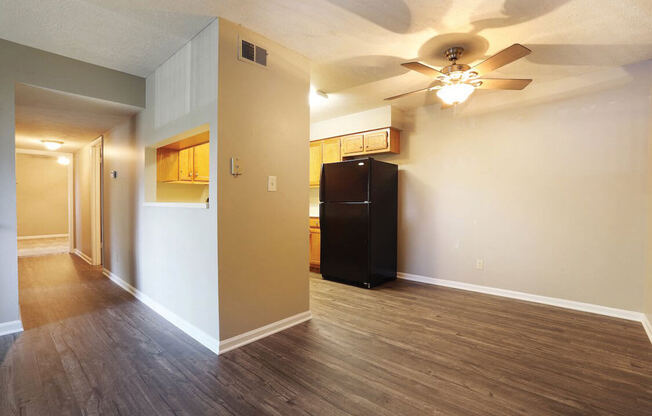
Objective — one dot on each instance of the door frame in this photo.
(71, 190)
(97, 157)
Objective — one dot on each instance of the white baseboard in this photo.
(197, 334)
(562, 303)
(10, 327)
(83, 256)
(647, 326)
(258, 333)
(36, 237)
(32, 252)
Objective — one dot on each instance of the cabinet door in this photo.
(315, 248)
(331, 151)
(352, 144)
(185, 164)
(201, 163)
(315, 163)
(167, 165)
(376, 141)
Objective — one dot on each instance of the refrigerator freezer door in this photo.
(345, 241)
(345, 181)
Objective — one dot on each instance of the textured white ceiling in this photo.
(47, 114)
(356, 45)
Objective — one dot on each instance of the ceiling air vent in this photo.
(252, 53)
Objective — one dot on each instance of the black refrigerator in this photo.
(358, 219)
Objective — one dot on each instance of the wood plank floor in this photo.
(400, 349)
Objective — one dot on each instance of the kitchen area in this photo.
(350, 143)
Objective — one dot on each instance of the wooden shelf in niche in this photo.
(186, 160)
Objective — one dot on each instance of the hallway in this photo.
(404, 348)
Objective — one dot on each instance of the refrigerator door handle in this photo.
(321, 184)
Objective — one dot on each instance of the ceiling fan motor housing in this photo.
(454, 53)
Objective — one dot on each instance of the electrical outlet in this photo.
(271, 183)
(479, 264)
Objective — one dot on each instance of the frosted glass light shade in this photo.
(52, 144)
(455, 93)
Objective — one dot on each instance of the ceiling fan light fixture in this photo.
(455, 93)
(52, 144)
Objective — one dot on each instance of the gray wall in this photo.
(551, 196)
(168, 253)
(21, 64)
(41, 195)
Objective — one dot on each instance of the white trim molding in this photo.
(35, 252)
(216, 346)
(647, 326)
(36, 237)
(83, 256)
(200, 205)
(197, 334)
(562, 303)
(262, 332)
(10, 327)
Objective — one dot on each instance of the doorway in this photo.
(96, 195)
(44, 202)
(88, 202)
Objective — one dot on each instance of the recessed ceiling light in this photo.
(63, 160)
(317, 96)
(52, 144)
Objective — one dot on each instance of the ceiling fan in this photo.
(456, 82)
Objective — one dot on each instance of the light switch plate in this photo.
(271, 183)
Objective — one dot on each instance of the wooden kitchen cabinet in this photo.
(376, 141)
(167, 165)
(352, 145)
(186, 165)
(315, 244)
(323, 151)
(201, 163)
(372, 142)
(336, 149)
(331, 151)
(189, 165)
(315, 163)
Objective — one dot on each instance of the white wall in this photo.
(552, 196)
(41, 195)
(167, 253)
(376, 118)
(21, 64)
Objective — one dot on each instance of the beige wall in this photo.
(648, 288)
(21, 64)
(263, 240)
(41, 195)
(83, 224)
(552, 196)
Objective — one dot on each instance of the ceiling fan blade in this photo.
(503, 84)
(502, 58)
(406, 93)
(425, 69)
(434, 86)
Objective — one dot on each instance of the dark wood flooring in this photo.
(400, 349)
